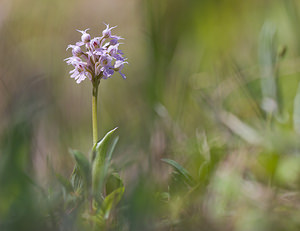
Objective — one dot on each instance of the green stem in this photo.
(94, 113)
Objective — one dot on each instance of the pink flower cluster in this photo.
(97, 58)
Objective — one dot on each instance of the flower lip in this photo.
(119, 65)
(113, 49)
(107, 72)
(105, 60)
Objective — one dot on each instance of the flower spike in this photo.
(95, 60)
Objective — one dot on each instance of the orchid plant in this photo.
(96, 59)
(94, 181)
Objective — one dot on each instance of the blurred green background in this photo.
(211, 84)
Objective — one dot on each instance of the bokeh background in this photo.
(211, 84)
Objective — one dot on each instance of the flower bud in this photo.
(85, 38)
(106, 33)
(77, 51)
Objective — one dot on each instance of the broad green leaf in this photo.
(100, 151)
(181, 171)
(111, 201)
(112, 148)
(83, 165)
(108, 157)
(268, 68)
(113, 182)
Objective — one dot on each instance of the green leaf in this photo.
(111, 201)
(99, 168)
(181, 171)
(164, 196)
(64, 182)
(96, 220)
(83, 166)
(113, 182)
(112, 148)
(268, 61)
(77, 180)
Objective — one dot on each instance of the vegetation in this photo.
(208, 118)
